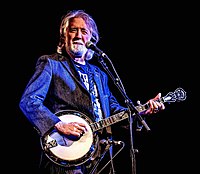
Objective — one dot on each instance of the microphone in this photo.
(110, 142)
(92, 46)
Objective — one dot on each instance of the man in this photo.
(66, 84)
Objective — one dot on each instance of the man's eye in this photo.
(84, 31)
(73, 30)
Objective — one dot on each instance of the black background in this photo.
(152, 46)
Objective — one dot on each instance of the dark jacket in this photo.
(56, 86)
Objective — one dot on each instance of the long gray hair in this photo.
(90, 23)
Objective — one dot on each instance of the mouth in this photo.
(77, 43)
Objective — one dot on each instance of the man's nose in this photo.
(78, 33)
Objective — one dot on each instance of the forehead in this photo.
(78, 22)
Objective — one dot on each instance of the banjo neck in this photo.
(178, 95)
(114, 118)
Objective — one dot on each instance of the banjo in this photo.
(68, 151)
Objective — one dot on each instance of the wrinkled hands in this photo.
(154, 105)
(72, 128)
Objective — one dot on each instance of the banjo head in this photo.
(70, 151)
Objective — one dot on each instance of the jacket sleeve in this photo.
(32, 100)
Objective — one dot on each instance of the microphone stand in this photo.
(132, 109)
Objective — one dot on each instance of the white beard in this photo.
(78, 50)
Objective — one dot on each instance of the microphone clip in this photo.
(97, 51)
(110, 142)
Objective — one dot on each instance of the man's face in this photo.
(77, 35)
